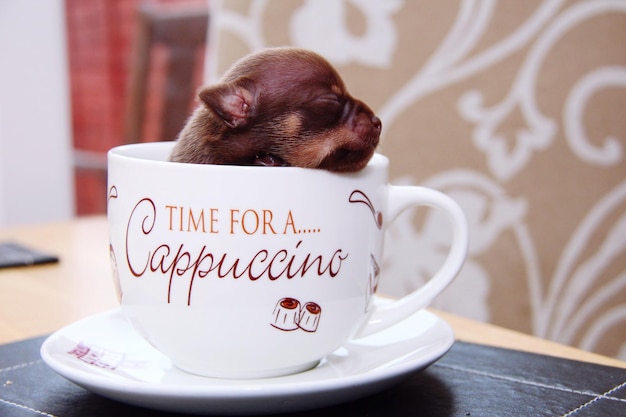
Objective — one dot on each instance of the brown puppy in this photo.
(280, 107)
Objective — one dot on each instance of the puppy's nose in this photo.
(377, 123)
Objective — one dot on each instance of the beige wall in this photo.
(36, 183)
(517, 109)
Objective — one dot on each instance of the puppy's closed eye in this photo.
(323, 112)
(332, 98)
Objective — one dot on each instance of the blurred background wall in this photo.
(36, 177)
(106, 39)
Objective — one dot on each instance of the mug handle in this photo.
(399, 199)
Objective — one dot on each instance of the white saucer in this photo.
(120, 365)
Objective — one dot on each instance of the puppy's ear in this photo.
(234, 103)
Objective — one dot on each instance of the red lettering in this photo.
(176, 261)
(147, 225)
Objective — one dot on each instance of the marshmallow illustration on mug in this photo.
(286, 314)
(310, 317)
(290, 315)
(253, 272)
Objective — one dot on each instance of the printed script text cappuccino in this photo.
(176, 260)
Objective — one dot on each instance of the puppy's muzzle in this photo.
(362, 121)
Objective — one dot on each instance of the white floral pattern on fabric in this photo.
(320, 25)
(515, 109)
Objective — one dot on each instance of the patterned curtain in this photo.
(517, 109)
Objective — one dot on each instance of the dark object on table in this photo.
(14, 254)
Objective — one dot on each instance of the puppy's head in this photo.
(284, 106)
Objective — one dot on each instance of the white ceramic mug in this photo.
(250, 272)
